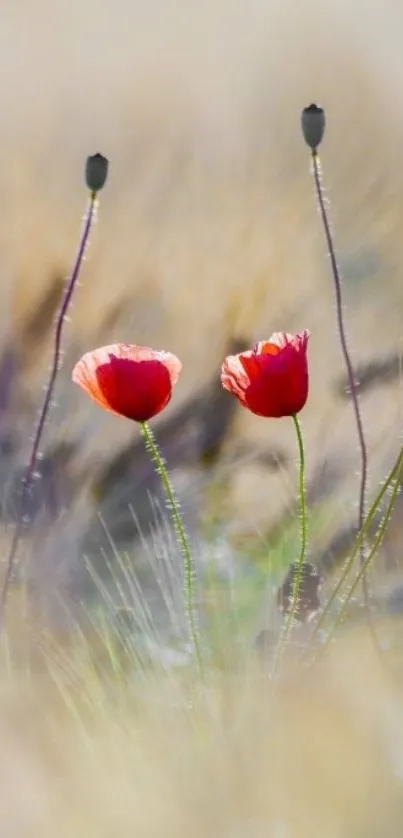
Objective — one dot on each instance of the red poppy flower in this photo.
(131, 381)
(272, 379)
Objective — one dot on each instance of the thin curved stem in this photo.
(27, 483)
(317, 174)
(304, 543)
(175, 510)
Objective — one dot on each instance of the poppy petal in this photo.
(137, 390)
(273, 379)
(128, 380)
(234, 377)
(85, 375)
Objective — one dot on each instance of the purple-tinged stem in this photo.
(27, 482)
(317, 174)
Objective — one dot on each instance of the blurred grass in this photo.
(109, 728)
(86, 752)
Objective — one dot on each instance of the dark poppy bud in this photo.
(96, 172)
(313, 125)
(308, 595)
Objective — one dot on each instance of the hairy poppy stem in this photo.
(175, 510)
(317, 175)
(304, 543)
(27, 482)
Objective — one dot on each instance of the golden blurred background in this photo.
(208, 234)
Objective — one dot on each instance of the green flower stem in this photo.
(302, 491)
(304, 542)
(175, 510)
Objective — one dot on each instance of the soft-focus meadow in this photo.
(208, 237)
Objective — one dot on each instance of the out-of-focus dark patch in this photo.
(265, 642)
(338, 549)
(9, 369)
(216, 413)
(54, 477)
(366, 265)
(325, 478)
(341, 545)
(49, 489)
(41, 320)
(111, 317)
(274, 459)
(372, 374)
(308, 600)
(394, 601)
(8, 444)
